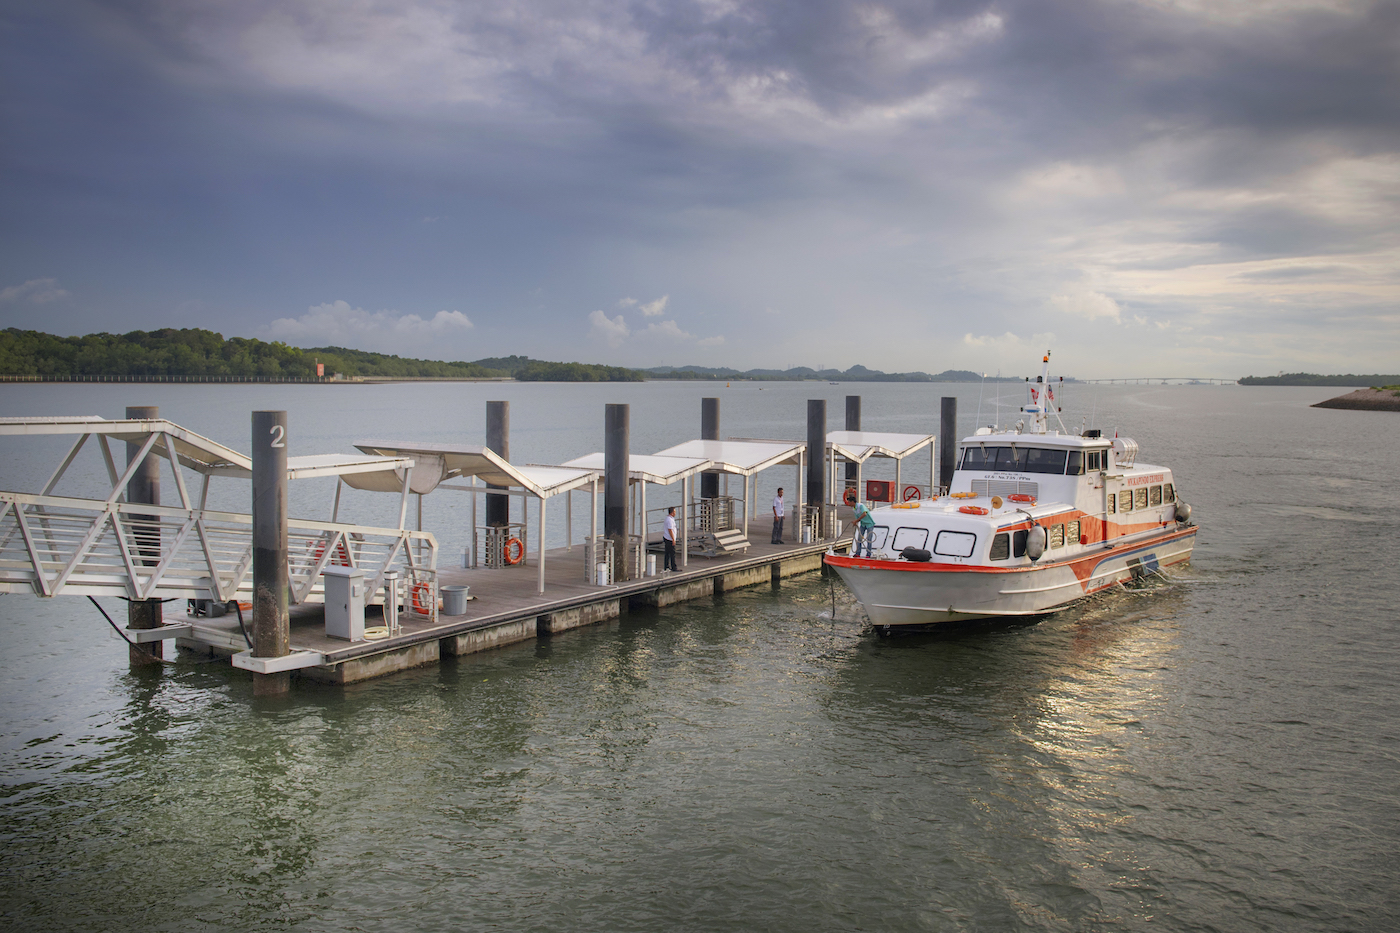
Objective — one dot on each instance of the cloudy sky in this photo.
(1149, 187)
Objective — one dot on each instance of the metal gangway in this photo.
(53, 545)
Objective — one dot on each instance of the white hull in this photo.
(897, 592)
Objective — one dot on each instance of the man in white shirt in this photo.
(778, 517)
(668, 537)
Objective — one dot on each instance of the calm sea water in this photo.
(1214, 753)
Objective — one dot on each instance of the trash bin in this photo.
(454, 600)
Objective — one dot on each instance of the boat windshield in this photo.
(1015, 459)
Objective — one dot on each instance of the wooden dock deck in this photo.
(506, 608)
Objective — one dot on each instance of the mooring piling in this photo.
(709, 431)
(816, 458)
(616, 468)
(271, 625)
(852, 424)
(948, 441)
(498, 441)
(144, 488)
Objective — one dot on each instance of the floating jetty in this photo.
(339, 602)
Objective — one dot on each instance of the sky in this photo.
(1200, 188)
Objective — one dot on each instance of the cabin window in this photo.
(1125, 501)
(1076, 463)
(1057, 536)
(877, 540)
(1001, 547)
(1140, 498)
(909, 537)
(1168, 493)
(1039, 460)
(955, 543)
(1093, 460)
(1072, 533)
(1018, 543)
(1154, 495)
(975, 458)
(1112, 503)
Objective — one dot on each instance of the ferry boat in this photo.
(1034, 519)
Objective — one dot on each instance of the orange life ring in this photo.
(513, 552)
(1021, 497)
(974, 510)
(911, 493)
(420, 598)
(850, 497)
(964, 495)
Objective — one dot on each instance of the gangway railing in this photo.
(56, 545)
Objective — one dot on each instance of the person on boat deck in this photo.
(865, 528)
(668, 537)
(778, 517)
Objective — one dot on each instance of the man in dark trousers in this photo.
(668, 537)
(778, 517)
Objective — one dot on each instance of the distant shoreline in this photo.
(1385, 399)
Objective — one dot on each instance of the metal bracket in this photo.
(288, 662)
(143, 636)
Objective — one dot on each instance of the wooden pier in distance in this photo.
(505, 608)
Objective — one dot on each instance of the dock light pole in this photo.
(709, 431)
(948, 442)
(144, 488)
(816, 454)
(616, 466)
(271, 629)
(498, 441)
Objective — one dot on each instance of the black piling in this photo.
(617, 429)
(498, 441)
(852, 424)
(144, 488)
(948, 441)
(816, 451)
(271, 631)
(709, 431)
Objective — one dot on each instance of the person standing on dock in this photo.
(778, 517)
(668, 537)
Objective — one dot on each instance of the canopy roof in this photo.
(741, 458)
(440, 462)
(651, 468)
(199, 453)
(859, 446)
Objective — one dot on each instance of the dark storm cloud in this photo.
(539, 162)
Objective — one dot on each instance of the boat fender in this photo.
(1035, 542)
(1183, 511)
(916, 554)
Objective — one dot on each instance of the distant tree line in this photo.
(196, 353)
(1312, 379)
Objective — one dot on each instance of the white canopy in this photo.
(859, 446)
(651, 468)
(453, 461)
(741, 458)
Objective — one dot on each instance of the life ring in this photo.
(1021, 497)
(964, 495)
(420, 597)
(906, 505)
(974, 510)
(850, 497)
(911, 493)
(513, 552)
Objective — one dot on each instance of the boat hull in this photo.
(899, 592)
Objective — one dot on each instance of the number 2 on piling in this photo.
(278, 432)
